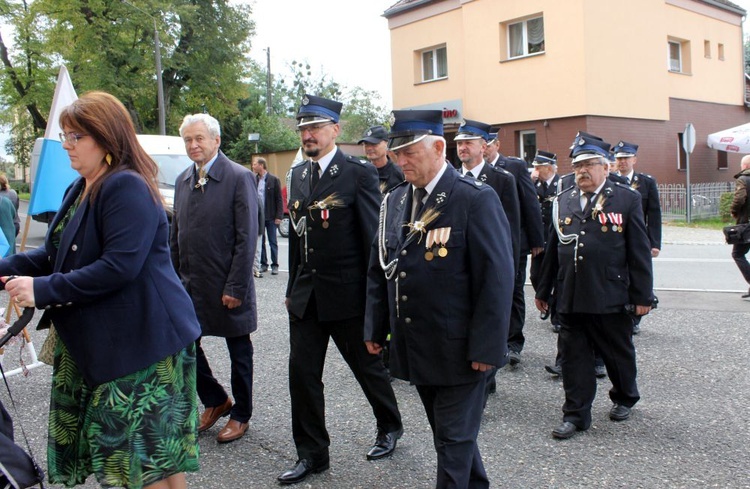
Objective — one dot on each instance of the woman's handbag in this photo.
(737, 234)
(47, 352)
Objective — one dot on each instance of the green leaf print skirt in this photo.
(130, 432)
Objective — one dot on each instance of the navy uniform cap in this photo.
(543, 158)
(625, 150)
(410, 126)
(318, 109)
(473, 130)
(587, 147)
(493, 137)
(374, 135)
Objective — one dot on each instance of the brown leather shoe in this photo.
(234, 430)
(212, 414)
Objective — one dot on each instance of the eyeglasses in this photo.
(71, 137)
(586, 164)
(313, 128)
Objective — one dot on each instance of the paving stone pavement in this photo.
(690, 429)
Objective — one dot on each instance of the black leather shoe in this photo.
(514, 357)
(600, 371)
(299, 472)
(385, 444)
(554, 370)
(565, 430)
(619, 412)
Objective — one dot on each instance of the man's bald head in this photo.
(745, 162)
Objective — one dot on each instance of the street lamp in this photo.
(254, 137)
(159, 83)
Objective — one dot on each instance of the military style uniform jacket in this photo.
(532, 234)
(646, 186)
(389, 176)
(546, 194)
(447, 308)
(594, 270)
(333, 228)
(504, 184)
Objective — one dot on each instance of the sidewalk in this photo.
(691, 236)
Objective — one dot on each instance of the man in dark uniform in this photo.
(333, 205)
(532, 239)
(471, 142)
(598, 261)
(625, 153)
(441, 280)
(546, 188)
(375, 143)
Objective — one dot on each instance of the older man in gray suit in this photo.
(214, 235)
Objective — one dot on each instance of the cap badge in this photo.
(581, 142)
(369, 132)
(463, 123)
(305, 100)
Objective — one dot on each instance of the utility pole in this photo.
(269, 103)
(159, 82)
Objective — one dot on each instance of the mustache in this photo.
(309, 140)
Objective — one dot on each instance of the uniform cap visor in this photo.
(403, 141)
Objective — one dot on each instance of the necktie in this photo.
(315, 173)
(590, 196)
(418, 202)
(469, 174)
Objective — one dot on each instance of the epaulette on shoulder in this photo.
(472, 182)
(648, 176)
(500, 170)
(298, 163)
(565, 190)
(354, 159)
(622, 185)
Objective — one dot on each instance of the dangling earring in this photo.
(108, 159)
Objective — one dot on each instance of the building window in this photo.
(721, 51)
(679, 55)
(434, 64)
(707, 49)
(722, 163)
(525, 37)
(527, 143)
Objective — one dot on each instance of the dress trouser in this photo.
(309, 339)
(739, 252)
(518, 308)
(611, 335)
(270, 226)
(455, 413)
(212, 394)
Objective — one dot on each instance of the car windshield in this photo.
(169, 167)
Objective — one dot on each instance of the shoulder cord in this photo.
(389, 268)
(565, 239)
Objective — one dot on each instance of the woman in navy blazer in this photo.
(124, 367)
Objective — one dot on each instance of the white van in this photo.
(169, 153)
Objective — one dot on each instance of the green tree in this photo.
(108, 45)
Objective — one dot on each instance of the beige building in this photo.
(540, 70)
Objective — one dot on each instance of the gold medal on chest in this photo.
(443, 252)
(429, 256)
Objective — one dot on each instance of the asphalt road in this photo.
(690, 429)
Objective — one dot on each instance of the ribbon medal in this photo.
(325, 214)
(603, 220)
(616, 219)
